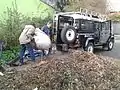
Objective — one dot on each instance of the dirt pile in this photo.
(76, 71)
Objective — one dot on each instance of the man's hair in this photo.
(33, 24)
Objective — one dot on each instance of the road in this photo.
(115, 53)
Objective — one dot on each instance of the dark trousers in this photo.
(25, 47)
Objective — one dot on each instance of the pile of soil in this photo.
(75, 71)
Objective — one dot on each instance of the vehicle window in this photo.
(103, 26)
(90, 25)
(76, 25)
(86, 25)
(106, 26)
(97, 26)
(65, 22)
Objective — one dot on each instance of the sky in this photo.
(114, 5)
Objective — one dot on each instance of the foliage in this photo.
(94, 5)
(75, 5)
(39, 22)
(1, 62)
(115, 18)
(9, 55)
(11, 26)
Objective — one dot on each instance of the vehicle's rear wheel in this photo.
(68, 35)
(89, 47)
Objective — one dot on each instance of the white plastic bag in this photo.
(43, 41)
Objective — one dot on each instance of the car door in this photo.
(97, 29)
(105, 32)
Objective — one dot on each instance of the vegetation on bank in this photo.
(11, 27)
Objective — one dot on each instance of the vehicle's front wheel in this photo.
(110, 45)
(89, 47)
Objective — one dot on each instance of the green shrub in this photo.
(13, 23)
(9, 55)
(10, 28)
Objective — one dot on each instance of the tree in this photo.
(95, 5)
(75, 5)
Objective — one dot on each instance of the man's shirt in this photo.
(46, 30)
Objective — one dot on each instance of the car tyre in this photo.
(68, 35)
(110, 45)
(89, 47)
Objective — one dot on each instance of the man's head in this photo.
(49, 24)
(33, 24)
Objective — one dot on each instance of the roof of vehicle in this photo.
(78, 15)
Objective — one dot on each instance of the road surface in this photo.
(115, 53)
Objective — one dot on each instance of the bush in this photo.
(11, 26)
(10, 54)
(13, 23)
(115, 18)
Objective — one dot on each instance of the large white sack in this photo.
(43, 41)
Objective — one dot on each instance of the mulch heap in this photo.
(76, 71)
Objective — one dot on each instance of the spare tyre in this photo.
(68, 34)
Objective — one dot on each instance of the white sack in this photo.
(43, 41)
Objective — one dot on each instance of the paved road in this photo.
(115, 53)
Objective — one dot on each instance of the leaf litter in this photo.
(75, 71)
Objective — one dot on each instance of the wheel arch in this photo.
(88, 40)
(111, 38)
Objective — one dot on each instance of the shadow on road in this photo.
(99, 50)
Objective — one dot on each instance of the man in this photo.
(47, 29)
(25, 41)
